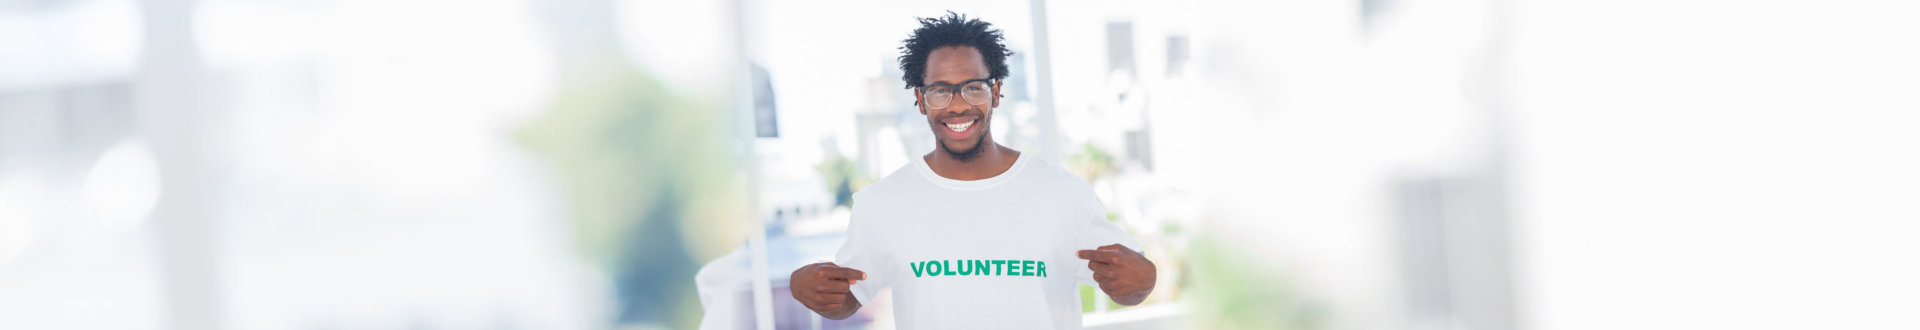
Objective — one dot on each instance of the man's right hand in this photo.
(823, 288)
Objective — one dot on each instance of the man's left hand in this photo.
(1123, 274)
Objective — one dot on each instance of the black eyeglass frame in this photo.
(954, 90)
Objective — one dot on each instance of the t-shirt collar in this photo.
(925, 170)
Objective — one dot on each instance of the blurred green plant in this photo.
(1091, 163)
(843, 177)
(649, 185)
(1232, 290)
(1086, 298)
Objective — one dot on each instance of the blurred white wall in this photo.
(1667, 164)
(1718, 164)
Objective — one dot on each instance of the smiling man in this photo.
(965, 235)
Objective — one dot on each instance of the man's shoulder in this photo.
(1048, 173)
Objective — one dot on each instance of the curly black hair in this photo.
(952, 30)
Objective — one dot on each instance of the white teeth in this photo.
(960, 127)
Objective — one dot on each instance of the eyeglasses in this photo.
(976, 92)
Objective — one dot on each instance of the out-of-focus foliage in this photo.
(1091, 162)
(649, 184)
(843, 177)
(1240, 291)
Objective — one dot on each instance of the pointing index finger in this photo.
(1100, 256)
(844, 273)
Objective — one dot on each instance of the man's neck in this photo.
(992, 160)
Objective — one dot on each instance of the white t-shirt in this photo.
(997, 253)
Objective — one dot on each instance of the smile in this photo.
(962, 127)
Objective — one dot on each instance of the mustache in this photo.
(969, 112)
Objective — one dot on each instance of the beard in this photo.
(965, 155)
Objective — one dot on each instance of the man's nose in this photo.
(957, 106)
(960, 105)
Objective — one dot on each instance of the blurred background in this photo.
(642, 164)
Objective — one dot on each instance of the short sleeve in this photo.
(1101, 232)
(856, 252)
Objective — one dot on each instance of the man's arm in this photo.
(824, 288)
(1123, 274)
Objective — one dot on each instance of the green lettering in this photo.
(979, 267)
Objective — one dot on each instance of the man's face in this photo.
(962, 127)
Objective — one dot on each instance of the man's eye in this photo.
(975, 88)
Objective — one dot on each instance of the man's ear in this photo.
(916, 101)
(996, 93)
